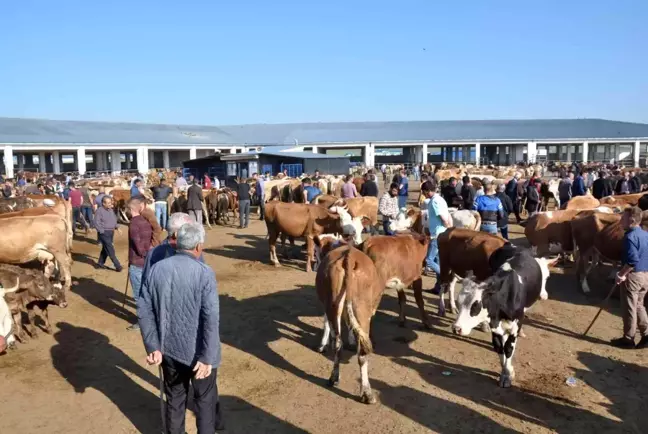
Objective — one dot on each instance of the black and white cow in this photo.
(501, 300)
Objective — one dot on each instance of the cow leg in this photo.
(45, 317)
(19, 332)
(504, 345)
(272, 245)
(417, 286)
(402, 302)
(352, 344)
(31, 329)
(451, 294)
(326, 335)
(442, 309)
(310, 253)
(334, 379)
(283, 246)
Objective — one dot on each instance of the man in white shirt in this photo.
(216, 183)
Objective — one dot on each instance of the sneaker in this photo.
(429, 272)
(133, 327)
(436, 290)
(119, 269)
(623, 342)
(643, 343)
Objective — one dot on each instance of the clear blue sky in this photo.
(248, 61)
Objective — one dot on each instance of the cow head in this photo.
(351, 226)
(404, 220)
(472, 311)
(325, 243)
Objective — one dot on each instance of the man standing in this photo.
(76, 200)
(489, 208)
(468, 193)
(161, 194)
(310, 192)
(601, 187)
(216, 184)
(243, 189)
(194, 202)
(565, 189)
(207, 182)
(388, 207)
(369, 188)
(140, 234)
(136, 189)
(106, 224)
(259, 190)
(507, 206)
(449, 192)
(403, 189)
(623, 185)
(86, 208)
(181, 183)
(633, 279)
(7, 190)
(635, 183)
(179, 317)
(578, 187)
(512, 193)
(439, 220)
(349, 190)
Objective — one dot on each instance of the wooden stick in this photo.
(603, 304)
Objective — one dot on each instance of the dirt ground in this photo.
(90, 375)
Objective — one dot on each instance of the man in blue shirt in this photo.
(439, 220)
(633, 279)
(489, 208)
(310, 192)
(259, 189)
(578, 187)
(403, 191)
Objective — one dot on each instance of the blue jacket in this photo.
(490, 208)
(178, 311)
(578, 187)
(158, 253)
(635, 249)
(405, 183)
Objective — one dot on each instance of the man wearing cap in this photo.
(489, 208)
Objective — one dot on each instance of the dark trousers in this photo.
(177, 377)
(262, 207)
(504, 231)
(386, 230)
(86, 212)
(517, 204)
(108, 249)
(244, 212)
(76, 217)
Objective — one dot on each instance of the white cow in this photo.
(6, 321)
(464, 218)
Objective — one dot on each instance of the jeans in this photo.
(402, 201)
(432, 259)
(196, 215)
(386, 230)
(108, 249)
(489, 228)
(177, 377)
(416, 175)
(262, 207)
(161, 213)
(76, 218)
(135, 276)
(86, 212)
(244, 212)
(504, 231)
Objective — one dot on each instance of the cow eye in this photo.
(476, 308)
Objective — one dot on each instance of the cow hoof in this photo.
(334, 381)
(277, 265)
(427, 325)
(442, 313)
(351, 347)
(505, 381)
(368, 398)
(320, 348)
(401, 324)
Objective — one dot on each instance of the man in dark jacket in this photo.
(635, 183)
(161, 194)
(243, 190)
(195, 202)
(601, 186)
(467, 193)
(507, 208)
(623, 185)
(179, 317)
(533, 197)
(449, 192)
(512, 193)
(369, 188)
(578, 187)
(106, 224)
(140, 234)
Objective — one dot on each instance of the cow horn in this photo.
(12, 289)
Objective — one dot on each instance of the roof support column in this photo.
(585, 152)
(42, 166)
(636, 153)
(314, 150)
(21, 161)
(532, 152)
(8, 161)
(569, 154)
(424, 160)
(477, 154)
(115, 162)
(56, 162)
(81, 161)
(142, 160)
(165, 159)
(369, 160)
(100, 163)
(192, 153)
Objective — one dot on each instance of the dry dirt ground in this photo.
(90, 375)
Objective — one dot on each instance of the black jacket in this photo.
(533, 198)
(449, 193)
(369, 188)
(635, 185)
(468, 196)
(507, 207)
(601, 188)
(194, 198)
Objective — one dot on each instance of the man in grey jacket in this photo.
(178, 314)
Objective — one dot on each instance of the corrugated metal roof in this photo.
(306, 154)
(14, 130)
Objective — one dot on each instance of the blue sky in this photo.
(248, 61)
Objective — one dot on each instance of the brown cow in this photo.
(398, 260)
(462, 251)
(305, 220)
(349, 287)
(622, 199)
(583, 202)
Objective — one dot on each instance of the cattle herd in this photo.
(499, 281)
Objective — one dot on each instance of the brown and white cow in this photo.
(305, 220)
(583, 202)
(9, 284)
(417, 220)
(463, 252)
(622, 199)
(398, 260)
(349, 287)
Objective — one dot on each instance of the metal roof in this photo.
(25, 131)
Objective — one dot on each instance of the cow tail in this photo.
(352, 288)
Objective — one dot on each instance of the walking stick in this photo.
(600, 310)
(162, 412)
(126, 291)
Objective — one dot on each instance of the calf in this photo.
(9, 283)
(349, 286)
(398, 260)
(502, 300)
(462, 251)
(306, 220)
(35, 290)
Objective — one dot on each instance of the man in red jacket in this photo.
(140, 234)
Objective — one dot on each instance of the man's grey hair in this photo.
(190, 235)
(176, 221)
(501, 188)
